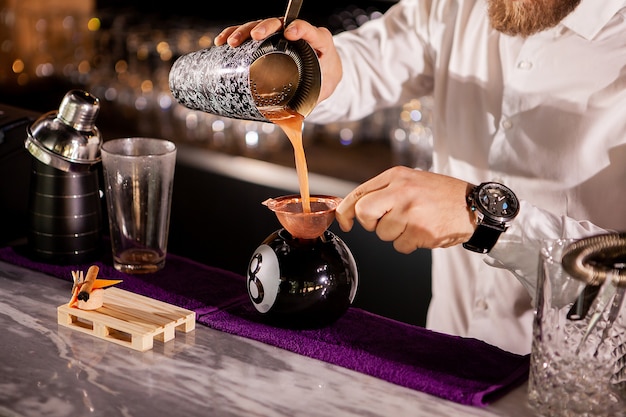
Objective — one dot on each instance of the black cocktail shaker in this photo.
(65, 201)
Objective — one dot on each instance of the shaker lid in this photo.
(68, 139)
(79, 109)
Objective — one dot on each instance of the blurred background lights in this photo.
(346, 136)
(93, 24)
(252, 139)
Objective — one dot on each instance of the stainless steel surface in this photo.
(65, 216)
(293, 8)
(275, 77)
(67, 139)
(599, 261)
(79, 110)
(285, 74)
(594, 258)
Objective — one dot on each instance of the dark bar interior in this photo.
(121, 52)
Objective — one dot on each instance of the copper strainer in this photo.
(309, 225)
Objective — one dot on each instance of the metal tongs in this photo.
(600, 262)
(609, 294)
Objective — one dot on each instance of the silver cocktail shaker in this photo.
(65, 203)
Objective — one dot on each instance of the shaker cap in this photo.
(79, 109)
(68, 139)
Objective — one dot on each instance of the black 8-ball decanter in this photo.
(302, 275)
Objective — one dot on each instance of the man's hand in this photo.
(319, 38)
(412, 208)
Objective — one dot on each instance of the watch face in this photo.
(498, 202)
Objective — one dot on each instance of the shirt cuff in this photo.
(517, 249)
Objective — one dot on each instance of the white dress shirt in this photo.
(545, 115)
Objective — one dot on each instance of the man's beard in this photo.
(527, 17)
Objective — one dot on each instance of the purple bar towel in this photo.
(463, 370)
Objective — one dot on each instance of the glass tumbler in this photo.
(139, 179)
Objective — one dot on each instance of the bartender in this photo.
(529, 140)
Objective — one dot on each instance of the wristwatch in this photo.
(494, 206)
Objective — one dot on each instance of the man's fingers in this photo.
(371, 208)
(257, 30)
(346, 211)
(345, 217)
(220, 39)
(390, 226)
(265, 28)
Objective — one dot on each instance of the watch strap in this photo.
(484, 238)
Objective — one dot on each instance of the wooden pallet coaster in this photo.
(129, 319)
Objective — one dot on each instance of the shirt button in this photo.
(482, 305)
(524, 65)
(507, 124)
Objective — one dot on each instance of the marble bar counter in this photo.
(50, 370)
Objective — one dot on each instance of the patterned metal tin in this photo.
(217, 79)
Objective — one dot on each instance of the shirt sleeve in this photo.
(378, 59)
(518, 248)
